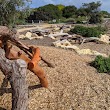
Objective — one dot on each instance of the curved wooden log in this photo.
(12, 54)
(37, 70)
(6, 34)
(36, 58)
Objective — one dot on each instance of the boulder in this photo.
(63, 43)
(104, 39)
(28, 35)
(89, 52)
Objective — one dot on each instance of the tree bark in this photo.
(16, 69)
(19, 85)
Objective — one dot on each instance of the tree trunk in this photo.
(19, 85)
(17, 71)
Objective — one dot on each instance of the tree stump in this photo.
(16, 69)
(19, 85)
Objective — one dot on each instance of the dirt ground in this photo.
(73, 83)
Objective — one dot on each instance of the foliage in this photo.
(9, 11)
(60, 7)
(92, 7)
(81, 12)
(100, 28)
(102, 64)
(93, 32)
(105, 14)
(89, 12)
(69, 11)
(95, 18)
(69, 20)
(88, 31)
(47, 12)
(93, 11)
(80, 19)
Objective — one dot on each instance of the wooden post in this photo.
(17, 71)
(19, 85)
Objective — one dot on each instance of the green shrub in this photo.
(88, 31)
(102, 64)
(81, 30)
(67, 20)
(70, 20)
(103, 29)
(93, 32)
(80, 19)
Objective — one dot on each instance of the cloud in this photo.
(49, 1)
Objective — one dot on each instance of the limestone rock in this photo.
(104, 38)
(89, 52)
(62, 43)
(28, 35)
(67, 45)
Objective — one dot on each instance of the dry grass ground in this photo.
(73, 84)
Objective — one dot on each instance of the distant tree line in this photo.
(14, 12)
(91, 11)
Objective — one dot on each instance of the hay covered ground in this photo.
(73, 84)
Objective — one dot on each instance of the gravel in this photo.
(73, 84)
(102, 48)
(46, 41)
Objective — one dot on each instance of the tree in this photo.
(60, 7)
(105, 14)
(93, 11)
(92, 7)
(95, 18)
(69, 11)
(81, 12)
(48, 12)
(9, 10)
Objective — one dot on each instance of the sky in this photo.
(37, 3)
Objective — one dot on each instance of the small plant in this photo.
(88, 31)
(102, 64)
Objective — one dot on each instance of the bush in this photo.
(70, 20)
(80, 19)
(81, 30)
(102, 64)
(103, 29)
(88, 31)
(93, 32)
